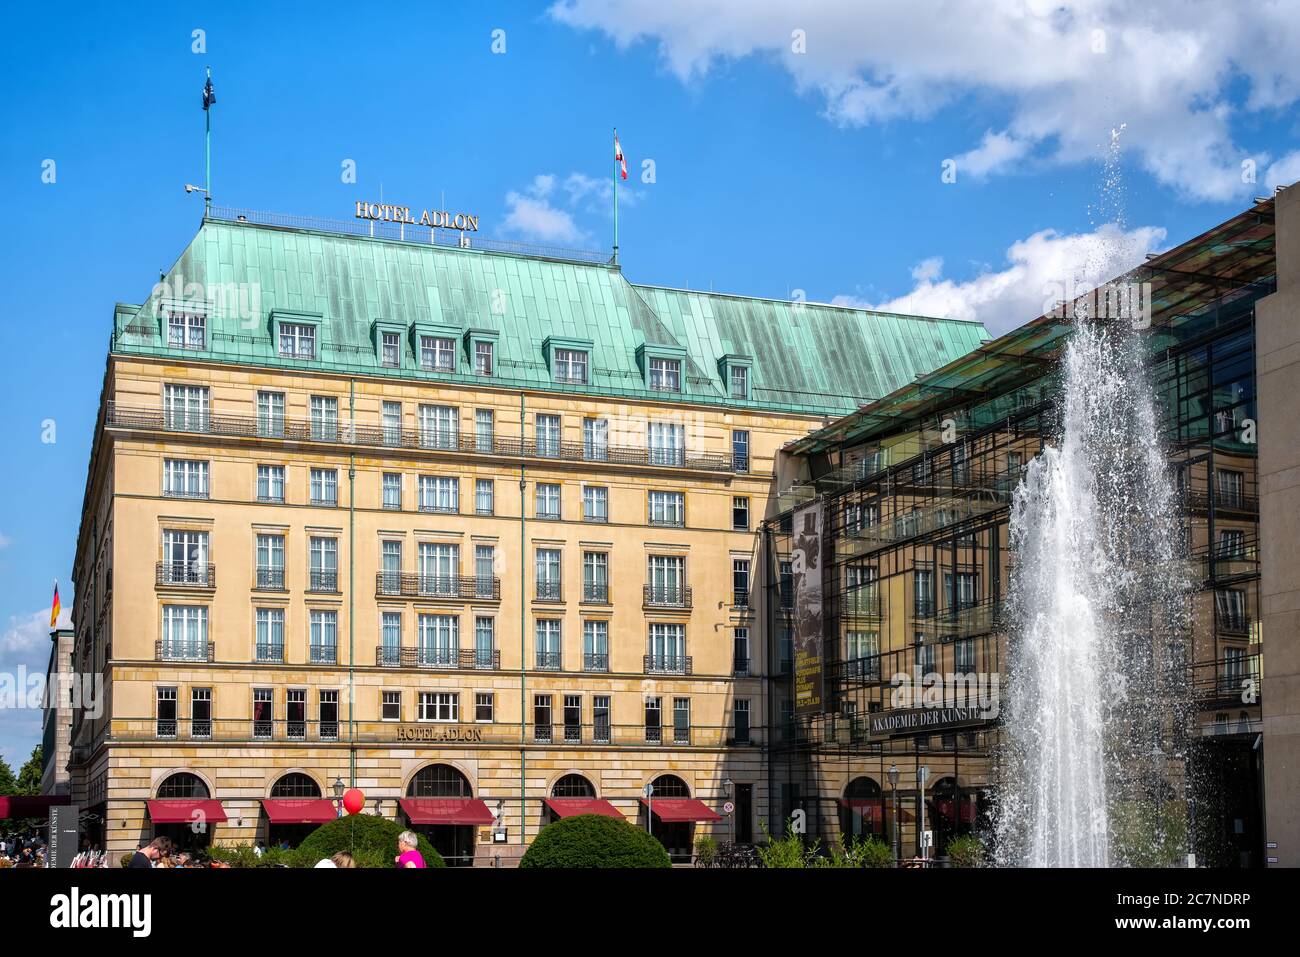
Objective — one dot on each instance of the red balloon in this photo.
(353, 801)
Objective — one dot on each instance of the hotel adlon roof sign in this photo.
(437, 218)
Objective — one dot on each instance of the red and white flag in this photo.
(618, 157)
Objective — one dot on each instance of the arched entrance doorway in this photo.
(862, 809)
(455, 842)
(951, 812)
(675, 836)
(568, 786)
(184, 786)
(292, 786)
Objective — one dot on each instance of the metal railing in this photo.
(269, 651)
(549, 591)
(668, 596)
(323, 581)
(324, 654)
(549, 661)
(154, 419)
(183, 650)
(270, 579)
(668, 664)
(595, 662)
(595, 592)
(415, 585)
(186, 574)
(460, 659)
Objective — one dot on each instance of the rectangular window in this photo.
(439, 706)
(595, 646)
(964, 656)
(392, 349)
(270, 562)
(437, 354)
(484, 570)
(667, 508)
(390, 626)
(391, 419)
(391, 702)
(595, 503)
(439, 426)
(740, 513)
(484, 427)
(297, 340)
(667, 580)
(270, 634)
(595, 440)
(1231, 488)
(392, 490)
(390, 579)
(439, 493)
(924, 593)
(571, 366)
(184, 558)
(740, 721)
(548, 574)
(548, 644)
(1230, 607)
(263, 698)
(185, 633)
(324, 487)
(327, 715)
(740, 582)
(548, 435)
(323, 575)
(653, 720)
(548, 500)
(270, 483)
(600, 723)
(324, 418)
(681, 721)
(166, 709)
(324, 648)
(200, 712)
(595, 577)
(484, 702)
(739, 382)
(270, 414)
(185, 478)
(666, 375)
(740, 450)
(667, 651)
(740, 652)
(967, 588)
(439, 569)
(483, 497)
(185, 408)
(484, 642)
(295, 712)
(187, 331)
(439, 637)
(483, 357)
(666, 442)
(572, 718)
(1232, 543)
(542, 717)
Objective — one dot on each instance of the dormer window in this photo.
(437, 354)
(297, 340)
(484, 358)
(739, 382)
(187, 330)
(392, 349)
(571, 366)
(666, 375)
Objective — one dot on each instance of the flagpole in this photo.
(616, 199)
(207, 154)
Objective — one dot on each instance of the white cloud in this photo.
(1037, 272)
(1282, 173)
(1066, 71)
(530, 214)
(27, 639)
(5, 540)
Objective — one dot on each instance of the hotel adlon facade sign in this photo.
(436, 218)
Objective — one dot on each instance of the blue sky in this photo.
(794, 153)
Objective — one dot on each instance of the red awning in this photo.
(870, 808)
(185, 811)
(670, 810)
(300, 810)
(571, 807)
(446, 811)
(35, 805)
(966, 809)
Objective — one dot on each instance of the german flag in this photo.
(55, 607)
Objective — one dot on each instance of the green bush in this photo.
(706, 849)
(593, 840)
(867, 851)
(788, 851)
(966, 851)
(370, 839)
(242, 855)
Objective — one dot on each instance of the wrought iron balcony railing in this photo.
(378, 436)
(323, 581)
(595, 662)
(186, 574)
(668, 596)
(415, 585)
(549, 591)
(462, 659)
(270, 579)
(324, 654)
(596, 593)
(269, 651)
(548, 661)
(165, 650)
(668, 664)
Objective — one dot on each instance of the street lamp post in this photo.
(728, 786)
(893, 787)
(923, 773)
(338, 794)
(649, 791)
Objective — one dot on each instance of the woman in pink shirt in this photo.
(407, 853)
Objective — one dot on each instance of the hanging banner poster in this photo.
(806, 567)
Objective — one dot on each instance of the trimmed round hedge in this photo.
(593, 840)
(370, 839)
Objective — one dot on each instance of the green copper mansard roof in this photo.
(802, 357)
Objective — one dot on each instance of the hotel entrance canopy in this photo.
(572, 807)
(446, 811)
(673, 810)
(184, 811)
